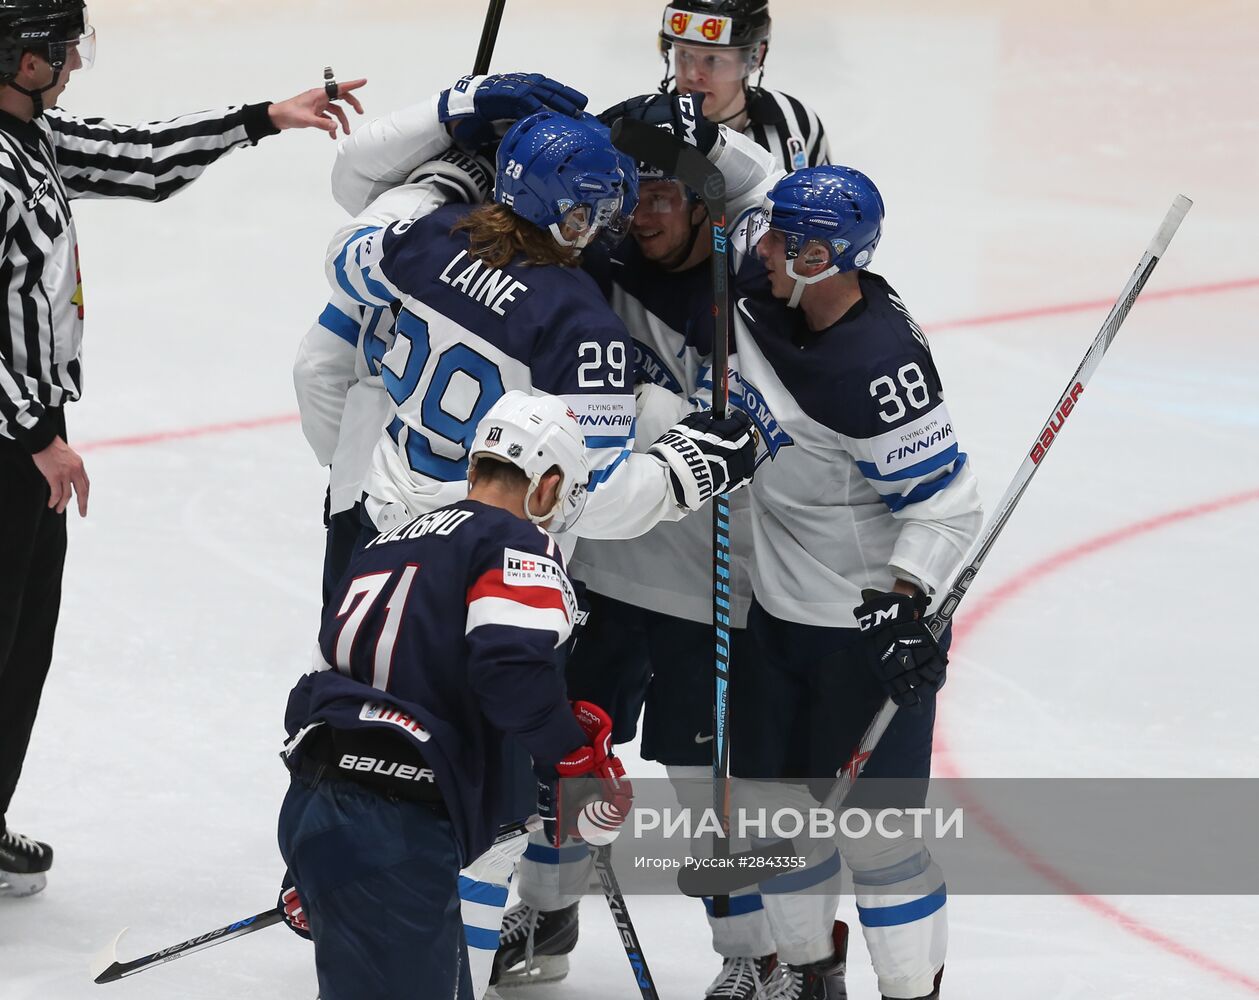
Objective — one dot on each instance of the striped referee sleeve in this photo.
(98, 159)
(20, 405)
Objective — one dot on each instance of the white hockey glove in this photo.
(460, 175)
(706, 456)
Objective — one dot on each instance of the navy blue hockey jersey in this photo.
(444, 631)
(465, 334)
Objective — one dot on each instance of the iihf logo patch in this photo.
(795, 146)
(494, 436)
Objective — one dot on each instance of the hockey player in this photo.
(490, 298)
(440, 639)
(712, 47)
(337, 372)
(48, 158)
(650, 638)
(862, 517)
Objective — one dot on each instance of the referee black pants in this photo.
(32, 557)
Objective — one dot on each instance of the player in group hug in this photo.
(512, 383)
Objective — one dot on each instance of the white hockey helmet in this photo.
(537, 434)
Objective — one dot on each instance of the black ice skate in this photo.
(23, 863)
(816, 981)
(533, 945)
(742, 978)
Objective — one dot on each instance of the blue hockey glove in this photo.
(904, 654)
(706, 456)
(473, 106)
(291, 904)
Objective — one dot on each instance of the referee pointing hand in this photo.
(47, 159)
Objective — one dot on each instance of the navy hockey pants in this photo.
(802, 699)
(628, 657)
(32, 559)
(378, 877)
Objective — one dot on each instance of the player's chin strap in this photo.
(56, 58)
(798, 291)
(37, 95)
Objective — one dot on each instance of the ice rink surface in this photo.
(1026, 153)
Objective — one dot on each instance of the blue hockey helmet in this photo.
(828, 214)
(564, 175)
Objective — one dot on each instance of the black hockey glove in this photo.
(682, 113)
(706, 456)
(904, 654)
(473, 106)
(291, 904)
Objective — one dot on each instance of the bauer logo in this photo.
(1054, 427)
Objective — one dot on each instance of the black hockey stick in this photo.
(489, 35)
(624, 926)
(679, 159)
(744, 872)
(105, 967)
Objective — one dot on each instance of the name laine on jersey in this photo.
(440, 522)
(374, 711)
(485, 285)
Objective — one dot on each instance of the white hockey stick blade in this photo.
(106, 958)
(1171, 222)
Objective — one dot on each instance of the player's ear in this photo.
(813, 260)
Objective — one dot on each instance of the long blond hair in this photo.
(496, 234)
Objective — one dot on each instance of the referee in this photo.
(48, 158)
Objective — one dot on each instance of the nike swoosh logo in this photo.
(751, 319)
(703, 739)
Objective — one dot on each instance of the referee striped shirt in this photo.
(44, 164)
(787, 128)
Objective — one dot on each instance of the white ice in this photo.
(1026, 153)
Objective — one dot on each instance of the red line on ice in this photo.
(177, 434)
(945, 766)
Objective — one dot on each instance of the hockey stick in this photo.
(489, 35)
(105, 967)
(685, 162)
(695, 883)
(624, 926)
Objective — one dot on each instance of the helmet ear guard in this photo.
(537, 434)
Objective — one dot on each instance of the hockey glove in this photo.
(291, 904)
(904, 654)
(473, 106)
(706, 456)
(591, 776)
